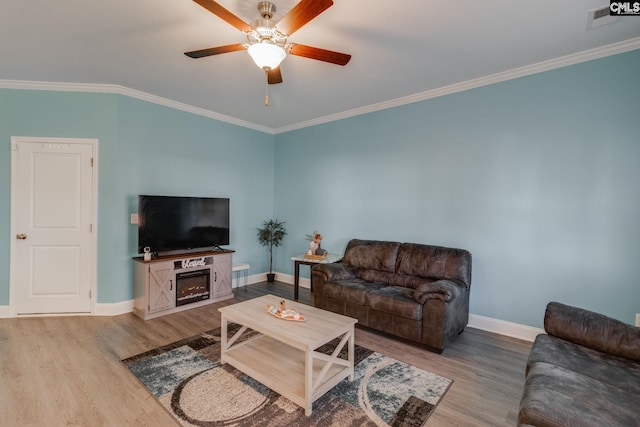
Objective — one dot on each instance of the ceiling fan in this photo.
(267, 40)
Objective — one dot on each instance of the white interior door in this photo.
(52, 215)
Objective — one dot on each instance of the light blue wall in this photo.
(143, 149)
(169, 152)
(53, 114)
(538, 177)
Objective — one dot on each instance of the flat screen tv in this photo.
(169, 224)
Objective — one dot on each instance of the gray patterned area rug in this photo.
(189, 382)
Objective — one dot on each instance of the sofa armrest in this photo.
(323, 273)
(444, 290)
(592, 330)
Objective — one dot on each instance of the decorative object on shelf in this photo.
(310, 237)
(147, 253)
(284, 314)
(315, 249)
(271, 235)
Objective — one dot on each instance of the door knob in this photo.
(21, 236)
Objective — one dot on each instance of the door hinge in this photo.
(90, 228)
(91, 162)
(90, 294)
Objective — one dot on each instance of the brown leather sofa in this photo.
(417, 292)
(585, 371)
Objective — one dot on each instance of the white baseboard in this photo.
(502, 327)
(113, 309)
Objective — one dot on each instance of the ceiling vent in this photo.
(599, 17)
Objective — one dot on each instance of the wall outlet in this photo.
(134, 218)
(637, 319)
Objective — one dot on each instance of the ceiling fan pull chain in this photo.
(266, 88)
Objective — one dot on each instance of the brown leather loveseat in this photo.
(416, 292)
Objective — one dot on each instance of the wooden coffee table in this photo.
(283, 355)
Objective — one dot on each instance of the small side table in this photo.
(239, 267)
(300, 259)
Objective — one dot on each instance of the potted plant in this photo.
(271, 235)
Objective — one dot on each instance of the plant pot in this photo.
(271, 277)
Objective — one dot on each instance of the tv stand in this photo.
(166, 284)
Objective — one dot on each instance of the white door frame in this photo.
(13, 291)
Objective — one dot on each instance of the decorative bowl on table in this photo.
(291, 315)
(317, 257)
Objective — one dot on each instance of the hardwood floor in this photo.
(66, 371)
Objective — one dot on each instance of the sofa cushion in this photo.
(371, 255)
(396, 300)
(617, 371)
(353, 291)
(555, 396)
(434, 262)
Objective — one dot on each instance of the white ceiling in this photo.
(399, 49)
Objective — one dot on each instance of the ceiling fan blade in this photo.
(302, 13)
(274, 76)
(224, 14)
(215, 50)
(319, 54)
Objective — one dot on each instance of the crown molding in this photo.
(195, 110)
(552, 64)
(121, 90)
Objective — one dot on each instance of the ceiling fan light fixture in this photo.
(267, 56)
